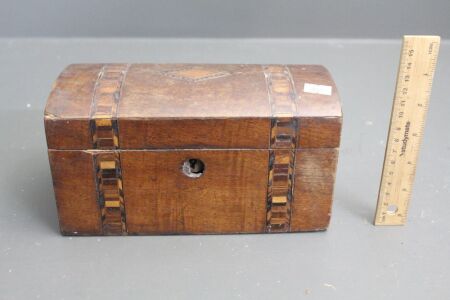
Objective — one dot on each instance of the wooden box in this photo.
(193, 149)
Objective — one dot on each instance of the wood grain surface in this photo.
(75, 192)
(315, 172)
(247, 133)
(168, 96)
(119, 136)
(230, 196)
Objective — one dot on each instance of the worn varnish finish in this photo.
(314, 181)
(228, 198)
(283, 135)
(119, 137)
(74, 183)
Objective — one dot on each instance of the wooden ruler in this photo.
(412, 94)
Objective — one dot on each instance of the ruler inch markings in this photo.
(412, 94)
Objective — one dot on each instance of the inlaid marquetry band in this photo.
(105, 137)
(105, 102)
(110, 192)
(283, 102)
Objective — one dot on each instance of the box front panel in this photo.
(228, 197)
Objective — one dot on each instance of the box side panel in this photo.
(319, 132)
(68, 134)
(244, 133)
(315, 171)
(230, 196)
(75, 192)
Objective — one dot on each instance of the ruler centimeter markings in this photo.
(415, 77)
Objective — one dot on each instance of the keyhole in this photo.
(193, 167)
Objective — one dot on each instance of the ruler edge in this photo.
(378, 209)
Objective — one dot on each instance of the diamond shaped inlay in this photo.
(195, 74)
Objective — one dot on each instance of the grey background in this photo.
(224, 18)
(352, 260)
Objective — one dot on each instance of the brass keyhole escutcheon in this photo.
(193, 167)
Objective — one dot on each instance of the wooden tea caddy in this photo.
(193, 149)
